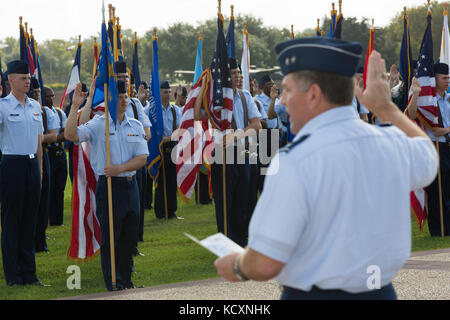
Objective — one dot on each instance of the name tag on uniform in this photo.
(133, 135)
(14, 115)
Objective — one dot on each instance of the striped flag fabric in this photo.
(221, 111)
(427, 107)
(86, 235)
(193, 143)
(193, 147)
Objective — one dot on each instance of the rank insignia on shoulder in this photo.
(385, 125)
(291, 146)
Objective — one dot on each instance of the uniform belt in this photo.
(129, 179)
(18, 157)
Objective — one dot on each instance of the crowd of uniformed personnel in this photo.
(33, 170)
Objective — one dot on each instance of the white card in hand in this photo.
(218, 244)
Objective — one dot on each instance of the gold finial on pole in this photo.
(318, 23)
(20, 20)
(95, 40)
(220, 6)
(26, 27)
(245, 25)
(340, 6)
(333, 6)
(404, 11)
(110, 11)
(79, 38)
(232, 11)
(31, 32)
(135, 35)
(373, 23)
(155, 37)
(114, 12)
(201, 36)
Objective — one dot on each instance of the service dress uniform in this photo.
(434, 220)
(136, 111)
(172, 121)
(241, 180)
(20, 127)
(338, 207)
(127, 142)
(58, 165)
(50, 122)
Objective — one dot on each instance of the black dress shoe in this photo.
(37, 283)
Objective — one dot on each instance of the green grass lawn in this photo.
(170, 257)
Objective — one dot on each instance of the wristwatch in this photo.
(237, 271)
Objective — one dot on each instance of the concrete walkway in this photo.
(426, 276)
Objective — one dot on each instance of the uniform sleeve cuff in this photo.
(270, 248)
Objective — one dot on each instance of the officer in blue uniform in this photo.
(58, 163)
(325, 224)
(20, 172)
(50, 124)
(129, 152)
(172, 121)
(241, 185)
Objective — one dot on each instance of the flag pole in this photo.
(441, 214)
(224, 172)
(110, 204)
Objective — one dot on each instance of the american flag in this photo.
(193, 146)
(427, 110)
(86, 235)
(427, 106)
(222, 95)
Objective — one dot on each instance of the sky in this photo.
(65, 19)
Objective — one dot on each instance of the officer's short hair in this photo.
(337, 89)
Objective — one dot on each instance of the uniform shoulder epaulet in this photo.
(135, 121)
(294, 144)
(385, 125)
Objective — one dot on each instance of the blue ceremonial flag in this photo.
(332, 24)
(106, 75)
(229, 40)
(156, 118)
(338, 27)
(119, 45)
(198, 60)
(406, 63)
(135, 64)
(36, 57)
